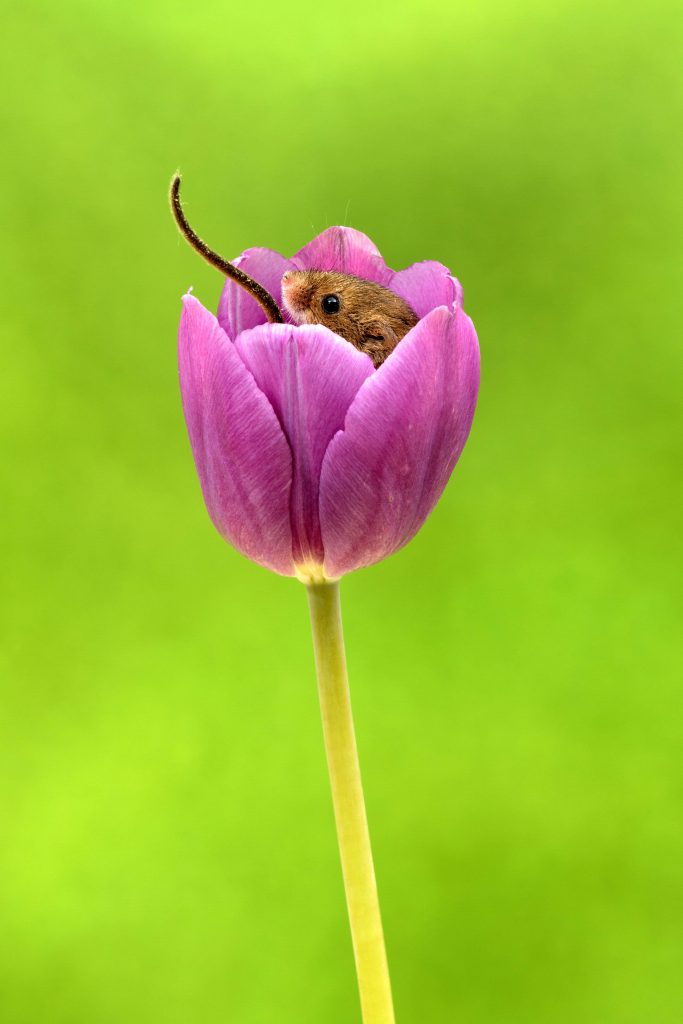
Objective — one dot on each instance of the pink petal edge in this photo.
(242, 456)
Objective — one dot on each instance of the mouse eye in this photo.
(330, 304)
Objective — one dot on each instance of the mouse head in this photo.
(366, 314)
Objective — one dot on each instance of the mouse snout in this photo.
(290, 277)
(294, 292)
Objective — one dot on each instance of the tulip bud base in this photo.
(311, 573)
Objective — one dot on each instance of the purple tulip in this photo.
(312, 462)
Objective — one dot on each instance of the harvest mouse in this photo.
(368, 315)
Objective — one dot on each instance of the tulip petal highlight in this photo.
(384, 472)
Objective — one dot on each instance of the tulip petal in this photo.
(237, 309)
(384, 472)
(310, 376)
(242, 456)
(345, 250)
(425, 286)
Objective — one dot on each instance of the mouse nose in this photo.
(293, 294)
(290, 283)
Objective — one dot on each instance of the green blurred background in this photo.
(168, 851)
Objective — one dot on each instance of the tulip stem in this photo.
(349, 805)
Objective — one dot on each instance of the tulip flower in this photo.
(314, 463)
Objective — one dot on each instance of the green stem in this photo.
(349, 806)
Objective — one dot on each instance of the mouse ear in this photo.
(380, 330)
(379, 339)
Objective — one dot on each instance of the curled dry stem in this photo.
(263, 297)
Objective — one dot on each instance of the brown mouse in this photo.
(368, 315)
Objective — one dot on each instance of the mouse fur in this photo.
(370, 317)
